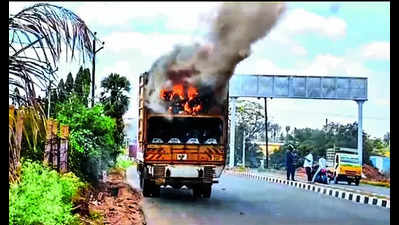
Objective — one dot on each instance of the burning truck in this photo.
(186, 144)
(183, 102)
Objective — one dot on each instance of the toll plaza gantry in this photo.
(299, 87)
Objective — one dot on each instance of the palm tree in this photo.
(37, 35)
(116, 101)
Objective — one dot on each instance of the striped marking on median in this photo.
(337, 193)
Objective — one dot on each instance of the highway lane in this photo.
(238, 200)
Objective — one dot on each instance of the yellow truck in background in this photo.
(343, 165)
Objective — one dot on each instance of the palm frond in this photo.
(37, 36)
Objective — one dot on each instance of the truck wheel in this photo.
(141, 181)
(147, 188)
(349, 182)
(357, 181)
(206, 190)
(196, 192)
(156, 190)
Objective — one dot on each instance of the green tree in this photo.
(275, 130)
(387, 138)
(82, 85)
(61, 91)
(116, 102)
(250, 119)
(52, 99)
(69, 84)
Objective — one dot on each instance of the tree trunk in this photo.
(64, 149)
(55, 146)
(14, 149)
(49, 137)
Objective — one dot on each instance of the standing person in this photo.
(289, 162)
(307, 164)
(294, 163)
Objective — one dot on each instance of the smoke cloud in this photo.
(236, 27)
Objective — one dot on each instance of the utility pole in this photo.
(266, 138)
(49, 94)
(93, 77)
(232, 131)
(49, 100)
(243, 148)
(360, 131)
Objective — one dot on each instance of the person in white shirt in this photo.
(307, 164)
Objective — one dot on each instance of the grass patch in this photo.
(241, 169)
(123, 163)
(376, 183)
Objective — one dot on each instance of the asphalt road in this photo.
(238, 200)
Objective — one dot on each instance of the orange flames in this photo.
(182, 98)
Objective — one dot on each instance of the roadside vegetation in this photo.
(39, 193)
(43, 196)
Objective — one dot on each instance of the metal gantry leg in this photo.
(232, 131)
(360, 131)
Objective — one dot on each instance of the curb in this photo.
(342, 194)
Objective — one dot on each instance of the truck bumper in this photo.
(184, 174)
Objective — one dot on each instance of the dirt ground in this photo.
(113, 202)
(373, 174)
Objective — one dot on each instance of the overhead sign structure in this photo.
(300, 87)
(304, 87)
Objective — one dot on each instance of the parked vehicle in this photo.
(345, 165)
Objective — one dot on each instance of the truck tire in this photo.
(349, 182)
(196, 191)
(156, 190)
(147, 187)
(206, 190)
(357, 181)
(141, 181)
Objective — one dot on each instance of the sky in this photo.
(311, 38)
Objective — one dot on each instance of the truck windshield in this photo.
(184, 130)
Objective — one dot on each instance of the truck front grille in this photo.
(350, 172)
(159, 171)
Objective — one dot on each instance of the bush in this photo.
(93, 147)
(123, 163)
(43, 196)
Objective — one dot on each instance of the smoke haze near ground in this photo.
(236, 27)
